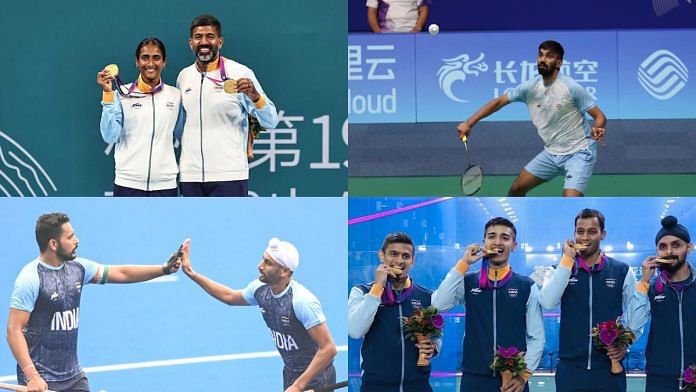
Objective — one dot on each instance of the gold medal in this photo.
(113, 69)
(230, 86)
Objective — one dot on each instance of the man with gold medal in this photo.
(218, 96)
(502, 310)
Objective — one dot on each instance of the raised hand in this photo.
(186, 259)
(173, 263)
(648, 269)
(104, 79)
(246, 86)
(472, 254)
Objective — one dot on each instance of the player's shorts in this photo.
(78, 383)
(577, 167)
(326, 377)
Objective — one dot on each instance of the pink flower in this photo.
(508, 352)
(608, 336)
(689, 375)
(438, 321)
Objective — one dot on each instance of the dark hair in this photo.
(554, 47)
(49, 227)
(206, 20)
(151, 41)
(396, 238)
(502, 222)
(590, 213)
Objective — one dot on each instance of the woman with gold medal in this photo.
(142, 119)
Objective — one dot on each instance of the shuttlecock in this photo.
(433, 29)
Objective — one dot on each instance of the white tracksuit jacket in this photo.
(143, 131)
(215, 132)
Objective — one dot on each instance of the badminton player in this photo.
(45, 306)
(291, 312)
(141, 118)
(557, 105)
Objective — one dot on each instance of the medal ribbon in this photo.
(486, 283)
(589, 269)
(388, 295)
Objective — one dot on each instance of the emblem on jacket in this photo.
(416, 303)
(513, 292)
(611, 282)
(476, 291)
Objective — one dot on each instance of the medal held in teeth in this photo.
(230, 86)
(397, 271)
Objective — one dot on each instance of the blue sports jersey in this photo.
(52, 296)
(289, 315)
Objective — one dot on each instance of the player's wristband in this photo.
(105, 275)
(29, 377)
(28, 366)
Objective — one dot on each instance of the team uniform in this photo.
(501, 310)
(557, 111)
(289, 315)
(213, 153)
(587, 296)
(52, 296)
(389, 360)
(672, 338)
(397, 15)
(143, 126)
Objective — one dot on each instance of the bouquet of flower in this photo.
(254, 129)
(612, 333)
(423, 324)
(689, 379)
(509, 361)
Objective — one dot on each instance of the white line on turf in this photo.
(174, 362)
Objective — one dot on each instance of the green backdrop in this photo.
(50, 103)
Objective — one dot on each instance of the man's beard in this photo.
(210, 56)
(269, 279)
(65, 256)
(673, 268)
(546, 71)
(399, 278)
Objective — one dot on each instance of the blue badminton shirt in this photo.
(52, 296)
